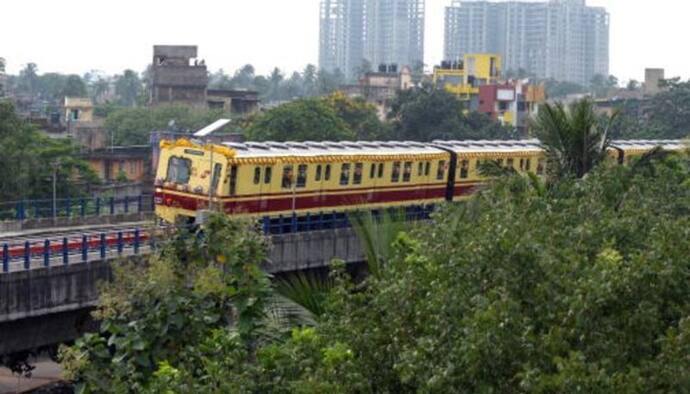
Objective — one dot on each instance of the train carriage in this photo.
(269, 179)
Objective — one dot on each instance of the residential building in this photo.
(234, 101)
(3, 77)
(652, 79)
(561, 39)
(358, 34)
(379, 88)
(178, 77)
(78, 109)
(477, 81)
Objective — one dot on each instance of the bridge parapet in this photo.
(44, 305)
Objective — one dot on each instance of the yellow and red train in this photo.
(260, 179)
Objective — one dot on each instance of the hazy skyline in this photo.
(75, 36)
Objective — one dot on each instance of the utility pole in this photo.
(56, 165)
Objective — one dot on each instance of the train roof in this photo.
(389, 150)
(327, 148)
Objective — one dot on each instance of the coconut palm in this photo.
(575, 138)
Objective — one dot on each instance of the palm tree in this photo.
(575, 138)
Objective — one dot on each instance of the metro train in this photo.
(268, 179)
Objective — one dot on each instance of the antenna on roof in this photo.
(218, 124)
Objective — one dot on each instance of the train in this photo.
(271, 179)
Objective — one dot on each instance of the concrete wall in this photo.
(46, 306)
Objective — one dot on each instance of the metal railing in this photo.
(81, 248)
(75, 207)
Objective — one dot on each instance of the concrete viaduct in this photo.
(49, 305)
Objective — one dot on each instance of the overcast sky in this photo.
(75, 36)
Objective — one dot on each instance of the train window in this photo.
(395, 175)
(528, 164)
(286, 182)
(372, 171)
(233, 180)
(427, 168)
(217, 168)
(317, 178)
(499, 162)
(345, 174)
(540, 167)
(301, 176)
(357, 178)
(464, 169)
(522, 164)
(179, 170)
(441, 172)
(510, 163)
(257, 175)
(380, 170)
(407, 171)
(420, 169)
(268, 173)
(327, 173)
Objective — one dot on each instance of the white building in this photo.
(355, 32)
(561, 39)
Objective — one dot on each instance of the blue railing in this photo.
(294, 223)
(75, 207)
(64, 251)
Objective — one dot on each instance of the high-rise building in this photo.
(2, 77)
(358, 32)
(561, 39)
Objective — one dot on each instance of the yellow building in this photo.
(78, 109)
(464, 78)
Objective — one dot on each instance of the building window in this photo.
(441, 171)
(357, 178)
(464, 169)
(317, 177)
(257, 175)
(407, 171)
(286, 182)
(301, 176)
(345, 174)
(268, 173)
(395, 175)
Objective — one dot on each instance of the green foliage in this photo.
(128, 87)
(334, 117)
(558, 89)
(132, 126)
(573, 138)
(426, 114)
(581, 287)
(26, 162)
(202, 292)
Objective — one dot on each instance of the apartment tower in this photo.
(561, 39)
(358, 32)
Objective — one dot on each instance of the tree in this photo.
(220, 80)
(244, 77)
(310, 76)
(574, 138)
(28, 79)
(133, 126)
(601, 86)
(360, 116)
(25, 165)
(667, 114)
(74, 87)
(128, 86)
(300, 120)
(558, 89)
(426, 114)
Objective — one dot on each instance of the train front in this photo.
(188, 177)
